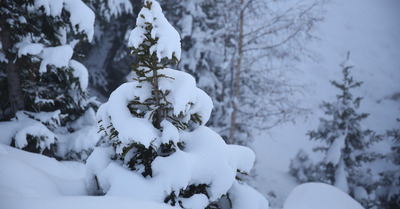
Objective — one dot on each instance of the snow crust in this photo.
(317, 196)
(169, 41)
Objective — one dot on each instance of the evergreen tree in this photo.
(155, 126)
(39, 71)
(346, 143)
(388, 191)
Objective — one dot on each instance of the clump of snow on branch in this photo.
(168, 39)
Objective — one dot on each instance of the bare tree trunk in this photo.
(16, 99)
(237, 76)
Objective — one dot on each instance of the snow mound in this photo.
(25, 174)
(319, 195)
(35, 181)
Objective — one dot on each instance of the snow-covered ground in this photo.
(370, 30)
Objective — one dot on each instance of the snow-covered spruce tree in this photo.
(161, 149)
(346, 142)
(40, 77)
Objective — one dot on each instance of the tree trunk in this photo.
(16, 99)
(237, 76)
(156, 96)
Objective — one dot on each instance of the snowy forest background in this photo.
(268, 68)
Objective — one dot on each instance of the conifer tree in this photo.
(155, 127)
(39, 71)
(346, 142)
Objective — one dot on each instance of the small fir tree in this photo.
(155, 126)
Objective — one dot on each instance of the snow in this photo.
(206, 159)
(334, 152)
(35, 175)
(341, 177)
(319, 195)
(244, 196)
(36, 129)
(82, 17)
(197, 201)
(169, 132)
(58, 56)
(22, 126)
(116, 8)
(51, 7)
(169, 41)
(81, 73)
(25, 48)
(116, 112)
(36, 181)
(373, 39)
(185, 97)
(80, 202)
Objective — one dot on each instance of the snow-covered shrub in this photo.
(39, 71)
(160, 149)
